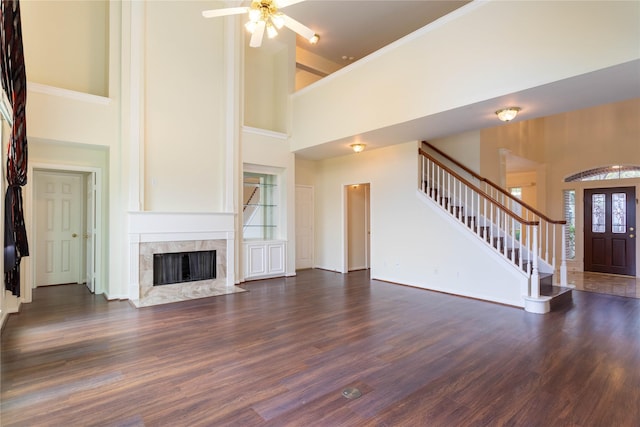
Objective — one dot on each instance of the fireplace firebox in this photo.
(183, 267)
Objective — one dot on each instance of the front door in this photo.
(610, 230)
(58, 217)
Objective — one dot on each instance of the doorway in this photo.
(89, 230)
(610, 230)
(358, 231)
(58, 227)
(304, 227)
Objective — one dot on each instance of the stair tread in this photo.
(552, 291)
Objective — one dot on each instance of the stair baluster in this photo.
(486, 216)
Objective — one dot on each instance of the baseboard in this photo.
(5, 316)
(115, 297)
(3, 320)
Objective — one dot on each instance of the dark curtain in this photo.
(14, 83)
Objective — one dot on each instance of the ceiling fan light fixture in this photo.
(251, 26)
(277, 20)
(508, 114)
(271, 31)
(254, 14)
(265, 17)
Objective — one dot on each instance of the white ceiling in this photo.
(356, 28)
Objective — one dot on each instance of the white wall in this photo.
(268, 81)
(479, 52)
(184, 100)
(527, 181)
(313, 67)
(411, 243)
(66, 44)
(305, 171)
(463, 147)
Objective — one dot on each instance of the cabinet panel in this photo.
(257, 260)
(266, 258)
(276, 258)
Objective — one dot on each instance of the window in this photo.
(604, 173)
(570, 217)
(619, 213)
(260, 206)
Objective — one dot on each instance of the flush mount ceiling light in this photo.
(357, 147)
(508, 114)
(264, 15)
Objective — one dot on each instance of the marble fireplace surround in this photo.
(155, 232)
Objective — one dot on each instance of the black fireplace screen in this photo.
(183, 267)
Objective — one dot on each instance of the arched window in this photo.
(604, 173)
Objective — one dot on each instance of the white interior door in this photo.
(58, 213)
(90, 232)
(304, 227)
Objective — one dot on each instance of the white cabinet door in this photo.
(264, 258)
(276, 258)
(257, 257)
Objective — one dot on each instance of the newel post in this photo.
(535, 276)
(563, 263)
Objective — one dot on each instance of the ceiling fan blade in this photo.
(285, 3)
(299, 28)
(256, 37)
(213, 13)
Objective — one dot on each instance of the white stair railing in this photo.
(550, 232)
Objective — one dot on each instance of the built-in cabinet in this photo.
(264, 258)
(260, 206)
(263, 230)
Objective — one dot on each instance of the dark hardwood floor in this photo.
(282, 353)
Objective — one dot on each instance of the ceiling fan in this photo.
(264, 15)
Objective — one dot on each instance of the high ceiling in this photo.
(356, 28)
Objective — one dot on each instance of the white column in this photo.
(563, 263)
(535, 276)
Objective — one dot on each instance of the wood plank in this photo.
(282, 353)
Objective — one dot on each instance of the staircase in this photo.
(523, 237)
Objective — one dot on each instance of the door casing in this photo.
(610, 243)
(28, 267)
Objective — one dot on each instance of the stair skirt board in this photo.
(520, 280)
(551, 297)
(449, 291)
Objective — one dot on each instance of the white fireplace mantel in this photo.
(158, 227)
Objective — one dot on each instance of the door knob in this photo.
(631, 236)
(74, 235)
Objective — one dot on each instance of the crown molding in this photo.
(66, 93)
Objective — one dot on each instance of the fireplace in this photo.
(173, 235)
(180, 267)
